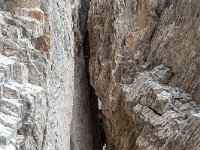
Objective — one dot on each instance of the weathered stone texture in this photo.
(176, 44)
(128, 40)
(23, 79)
(61, 76)
(82, 129)
(141, 58)
(44, 42)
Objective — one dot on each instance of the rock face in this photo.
(139, 57)
(43, 76)
(61, 76)
(144, 68)
(23, 79)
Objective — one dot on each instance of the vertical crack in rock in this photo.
(93, 99)
(84, 125)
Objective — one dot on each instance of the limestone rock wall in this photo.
(23, 79)
(44, 86)
(129, 40)
(61, 76)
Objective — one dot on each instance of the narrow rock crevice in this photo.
(156, 112)
(93, 99)
(86, 52)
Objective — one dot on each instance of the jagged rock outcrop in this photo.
(144, 68)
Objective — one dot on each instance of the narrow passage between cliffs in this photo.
(95, 104)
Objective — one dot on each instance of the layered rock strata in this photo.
(23, 79)
(44, 83)
(129, 41)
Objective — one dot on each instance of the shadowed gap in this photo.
(93, 99)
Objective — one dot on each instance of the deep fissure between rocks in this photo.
(93, 99)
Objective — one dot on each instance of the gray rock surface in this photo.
(140, 58)
(44, 85)
(60, 76)
(23, 100)
(144, 68)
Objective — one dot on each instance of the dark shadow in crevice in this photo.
(93, 99)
